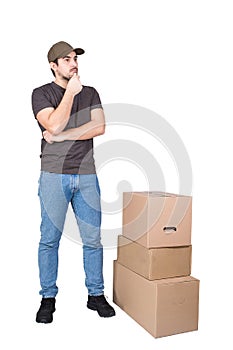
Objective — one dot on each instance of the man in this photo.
(69, 115)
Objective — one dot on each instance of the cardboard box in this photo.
(154, 263)
(157, 219)
(162, 307)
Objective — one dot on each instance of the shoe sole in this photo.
(101, 315)
(44, 321)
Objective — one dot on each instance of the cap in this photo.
(61, 49)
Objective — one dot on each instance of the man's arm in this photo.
(94, 128)
(55, 120)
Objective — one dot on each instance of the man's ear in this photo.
(53, 66)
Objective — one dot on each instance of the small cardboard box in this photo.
(162, 307)
(157, 219)
(154, 263)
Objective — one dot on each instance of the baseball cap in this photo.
(61, 49)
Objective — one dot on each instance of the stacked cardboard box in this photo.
(152, 281)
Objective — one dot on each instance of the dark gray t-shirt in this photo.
(67, 157)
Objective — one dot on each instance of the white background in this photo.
(173, 57)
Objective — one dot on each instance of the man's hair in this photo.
(55, 61)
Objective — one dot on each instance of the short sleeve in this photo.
(95, 101)
(40, 101)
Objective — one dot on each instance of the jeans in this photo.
(56, 191)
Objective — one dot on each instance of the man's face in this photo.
(67, 66)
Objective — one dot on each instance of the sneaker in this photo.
(46, 310)
(100, 304)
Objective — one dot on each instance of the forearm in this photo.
(56, 120)
(84, 132)
(59, 118)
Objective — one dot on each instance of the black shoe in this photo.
(46, 310)
(100, 304)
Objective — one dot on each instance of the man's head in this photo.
(62, 58)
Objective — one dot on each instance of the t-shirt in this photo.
(67, 157)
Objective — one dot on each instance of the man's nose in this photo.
(74, 63)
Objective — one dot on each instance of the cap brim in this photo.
(79, 51)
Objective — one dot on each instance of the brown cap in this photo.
(61, 49)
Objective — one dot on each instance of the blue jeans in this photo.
(56, 191)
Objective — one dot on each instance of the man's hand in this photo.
(74, 85)
(50, 138)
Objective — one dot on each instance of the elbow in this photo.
(98, 129)
(101, 130)
(54, 130)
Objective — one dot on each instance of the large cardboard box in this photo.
(162, 307)
(154, 263)
(157, 219)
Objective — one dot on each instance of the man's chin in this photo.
(66, 78)
(71, 75)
